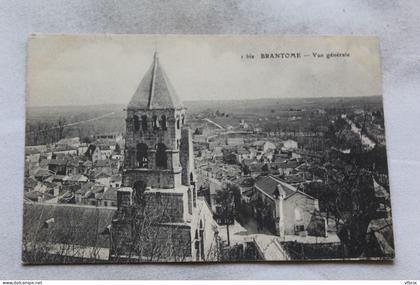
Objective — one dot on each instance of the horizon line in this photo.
(216, 100)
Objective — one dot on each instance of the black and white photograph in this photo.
(188, 148)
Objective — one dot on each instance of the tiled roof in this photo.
(57, 162)
(110, 194)
(33, 195)
(155, 91)
(102, 163)
(268, 184)
(115, 177)
(30, 183)
(75, 225)
(85, 187)
(284, 165)
(42, 172)
(104, 172)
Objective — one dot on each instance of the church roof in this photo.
(155, 91)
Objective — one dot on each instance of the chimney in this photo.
(124, 197)
(279, 196)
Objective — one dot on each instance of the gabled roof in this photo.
(110, 194)
(269, 184)
(85, 188)
(115, 177)
(155, 91)
(60, 162)
(102, 163)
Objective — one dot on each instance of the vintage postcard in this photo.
(170, 148)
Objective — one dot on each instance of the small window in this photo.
(298, 214)
(161, 156)
(177, 123)
(136, 123)
(163, 122)
(299, 228)
(155, 124)
(141, 156)
(144, 122)
(183, 119)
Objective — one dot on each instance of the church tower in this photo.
(155, 119)
(158, 175)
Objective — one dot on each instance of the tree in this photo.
(352, 202)
(245, 169)
(225, 199)
(265, 169)
(86, 140)
(117, 149)
(60, 128)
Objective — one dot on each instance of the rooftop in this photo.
(72, 224)
(155, 91)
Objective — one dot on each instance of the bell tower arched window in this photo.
(136, 123)
(177, 123)
(161, 156)
(144, 122)
(163, 122)
(155, 123)
(141, 156)
(182, 120)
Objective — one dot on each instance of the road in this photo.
(76, 123)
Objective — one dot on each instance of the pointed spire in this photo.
(155, 91)
(152, 88)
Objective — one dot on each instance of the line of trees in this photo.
(45, 132)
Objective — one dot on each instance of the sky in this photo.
(106, 69)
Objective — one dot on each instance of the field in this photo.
(49, 124)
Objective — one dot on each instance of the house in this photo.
(91, 196)
(105, 152)
(108, 198)
(102, 163)
(264, 146)
(58, 166)
(93, 153)
(285, 168)
(289, 209)
(37, 196)
(64, 150)
(116, 156)
(103, 177)
(69, 142)
(87, 165)
(289, 145)
(30, 184)
(280, 157)
(79, 194)
(67, 197)
(78, 178)
(242, 153)
(245, 185)
(295, 179)
(115, 181)
(72, 167)
(235, 141)
(40, 174)
(32, 155)
(253, 167)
